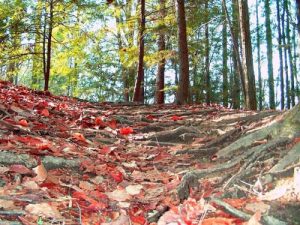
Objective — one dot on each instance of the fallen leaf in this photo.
(175, 118)
(31, 185)
(126, 130)
(20, 169)
(117, 175)
(123, 219)
(86, 185)
(23, 123)
(43, 209)
(254, 220)
(45, 112)
(218, 221)
(119, 195)
(134, 189)
(7, 204)
(79, 137)
(41, 173)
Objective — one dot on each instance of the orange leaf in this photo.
(79, 137)
(112, 124)
(117, 175)
(218, 221)
(126, 130)
(100, 122)
(23, 123)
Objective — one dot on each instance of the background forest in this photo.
(237, 53)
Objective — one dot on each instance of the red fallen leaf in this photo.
(175, 118)
(100, 122)
(296, 140)
(126, 130)
(150, 117)
(42, 104)
(112, 124)
(79, 137)
(20, 169)
(28, 140)
(45, 112)
(117, 175)
(23, 123)
(136, 215)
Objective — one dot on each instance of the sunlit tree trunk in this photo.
(207, 53)
(183, 89)
(248, 71)
(260, 91)
(160, 76)
(138, 95)
(269, 55)
(225, 59)
(280, 55)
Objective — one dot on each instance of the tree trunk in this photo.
(234, 30)
(37, 69)
(207, 52)
(183, 89)
(260, 91)
(138, 95)
(286, 67)
(280, 56)
(298, 16)
(225, 58)
(289, 49)
(49, 44)
(269, 55)
(248, 71)
(160, 76)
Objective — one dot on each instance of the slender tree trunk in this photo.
(123, 70)
(298, 16)
(286, 67)
(289, 48)
(280, 55)
(269, 55)
(138, 95)
(36, 62)
(183, 89)
(260, 92)
(207, 62)
(49, 44)
(295, 37)
(249, 79)
(160, 76)
(225, 59)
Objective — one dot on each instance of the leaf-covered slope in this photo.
(73, 162)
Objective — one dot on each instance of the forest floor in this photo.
(65, 161)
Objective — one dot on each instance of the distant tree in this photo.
(225, 58)
(183, 89)
(260, 91)
(207, 57)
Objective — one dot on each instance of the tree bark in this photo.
(160, 76)
(183, 89)
(207, 52)
(280, 55)
(138, 95)
(49, 44)
(260, 91)
(298, 16)
(248, 71)
(269, 55)
(225, 59)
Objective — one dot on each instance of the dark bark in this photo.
(298, 16)
(289, 49)
(280, 55)
(225, 59)
(260, 91)
(183, 89)
(248, 71)
(49, 44)
(269, 55)
(160, 76)
(138, 95)
(207, 61)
